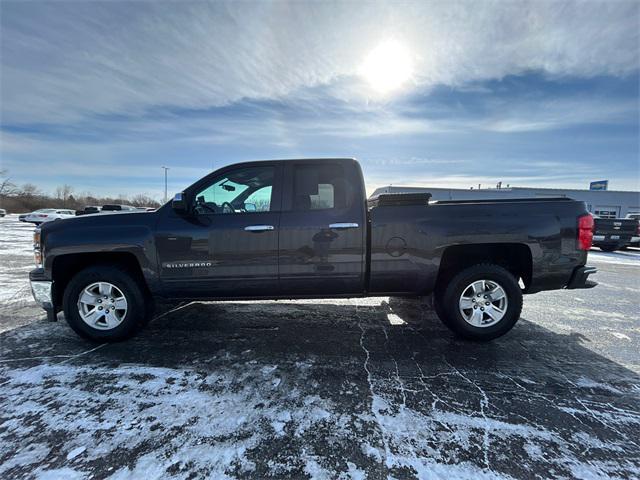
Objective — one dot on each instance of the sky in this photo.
(101, 95)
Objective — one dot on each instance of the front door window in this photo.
(246, 190)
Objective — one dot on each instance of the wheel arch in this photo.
(514, 257)
(64, 268)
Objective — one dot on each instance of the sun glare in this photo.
(387, 67)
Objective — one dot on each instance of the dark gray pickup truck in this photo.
(303, 229)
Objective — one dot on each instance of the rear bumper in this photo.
(580, 278)
(619, 242)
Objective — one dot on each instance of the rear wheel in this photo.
(104, 304)
(608, 248)
(482, 302)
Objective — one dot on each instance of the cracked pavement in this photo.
(359, 388)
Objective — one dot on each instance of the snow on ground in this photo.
(16, 259)
(290, 390)
(620, 257)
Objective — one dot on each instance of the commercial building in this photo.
(604, 203)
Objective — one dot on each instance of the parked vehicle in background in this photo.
(610, 234)
(635, 241)
(23, 217)
(303, 229)
(49, 215)
(112, 208)
(88, 210)
(118, 208)
(3, 212)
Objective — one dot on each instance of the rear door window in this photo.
(320, 187)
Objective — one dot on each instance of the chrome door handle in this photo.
(259, 228)
(343, 225)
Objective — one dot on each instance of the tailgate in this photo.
(624, 228)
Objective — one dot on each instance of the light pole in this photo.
(165, 184)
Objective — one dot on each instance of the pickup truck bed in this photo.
(454, 232)
(303, 229)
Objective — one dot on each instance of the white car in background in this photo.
(49, 215)
(3, 212)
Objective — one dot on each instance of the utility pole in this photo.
(165, 184)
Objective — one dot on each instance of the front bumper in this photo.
(580, 278)
(42, 292)
(42, 289)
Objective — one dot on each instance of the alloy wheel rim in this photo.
(483, 303)
(102, 306)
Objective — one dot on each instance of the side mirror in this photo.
(178, 203)
(250, 207)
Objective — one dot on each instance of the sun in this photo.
(387, 67)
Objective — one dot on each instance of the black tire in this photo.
(608, 248)
(136, 316)
(447, 300)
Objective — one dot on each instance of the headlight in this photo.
(37, 247)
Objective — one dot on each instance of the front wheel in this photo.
(104, 304)
(482, 302)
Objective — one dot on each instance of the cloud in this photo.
(64, 61)
(519, 90)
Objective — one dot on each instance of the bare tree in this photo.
(7, 187)
(63, 193)
(141, 200)
(30, 197)
(30, 190)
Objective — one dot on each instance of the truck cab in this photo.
(266, 229)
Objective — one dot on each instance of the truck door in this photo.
(227, 243)
(322, 228)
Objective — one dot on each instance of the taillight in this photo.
(37, 247)
(585, 232)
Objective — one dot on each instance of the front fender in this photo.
(137, 240)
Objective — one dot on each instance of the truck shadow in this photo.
(321, 329)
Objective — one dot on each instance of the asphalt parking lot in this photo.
(361, 388)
